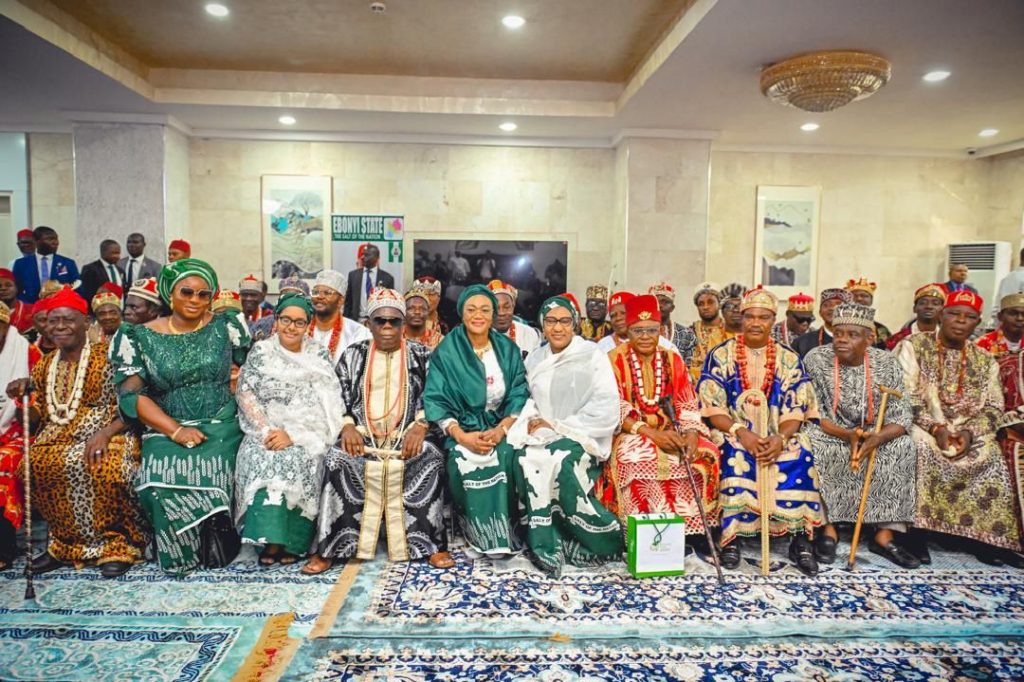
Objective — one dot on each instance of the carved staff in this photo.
(26, 434)
(879, 422)
(666, 404)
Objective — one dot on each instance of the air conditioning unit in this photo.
(989, 263)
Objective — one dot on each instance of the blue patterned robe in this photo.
(796, 504)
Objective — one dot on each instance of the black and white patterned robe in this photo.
(891, 497)
(362, 494)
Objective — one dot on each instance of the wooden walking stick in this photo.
(879, 422)
(760, 400)
(30, 589)
(666, 404)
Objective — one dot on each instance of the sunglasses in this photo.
(804, 319)
(201, 294)
(385, 321)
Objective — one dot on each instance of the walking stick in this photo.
(30, 588)
(886, 392)
(760, 400)
(666, 403)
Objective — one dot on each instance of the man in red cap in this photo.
(646, 472)
(799, 317)
(21, 312)
(964, 486)
(617, 318)
(178, 249)
(928, 302)
(26, 245)
(84, 463)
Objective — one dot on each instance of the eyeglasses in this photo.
(558, 322)
(324, 293)
(385, 321)
(201, 294)
(485, 310)
(289, 322)
(645, 331)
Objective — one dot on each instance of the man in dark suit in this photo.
(136, 265)
(103, 270)
(362, 281)
(32, 270)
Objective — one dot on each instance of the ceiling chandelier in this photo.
(827, 80)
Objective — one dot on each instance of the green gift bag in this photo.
(655, 544)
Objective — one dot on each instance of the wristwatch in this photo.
(735, 428)
(637, 425)
(422, 422)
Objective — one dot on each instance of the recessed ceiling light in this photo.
(513, 21)
(287, 120)
(809, 127)
(508, 126)
(936, 76)
(218, 10)
(988, 132)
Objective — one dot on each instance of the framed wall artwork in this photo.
(786, 239)
(295, 211)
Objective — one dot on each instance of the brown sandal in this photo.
(442, 560)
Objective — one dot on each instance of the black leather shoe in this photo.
(44, 563)
(730, 555)
(989, 556)
(699, 543)
(802, 554)
(825, 549)
(114, 569)
(895, 554)
(1013, 560)
(916, 542)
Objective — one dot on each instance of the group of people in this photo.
(206, 418)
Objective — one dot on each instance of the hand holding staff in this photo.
(855, 455)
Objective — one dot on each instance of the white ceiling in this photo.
(707, 82)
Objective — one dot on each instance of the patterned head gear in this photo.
(146, 290)
(597, 292)
(498, 287)
(643, 308)
(759, 297)
(290, 300)
(707, 288)
(1011, 301)
(855, 314)
(5, 313)
(861, 284)
(620, 298)
(251, 283)
(108, 294)
(332, 279)
(964, 297)
(558, 302)
(422, 290)
(663, 289)
(734, 290)
(49, 288)
(800, 303)
(172, 273)
(226, 299)
(428, 284)
(935, 290)
(382, 297)
(293, 284)
(841, 295)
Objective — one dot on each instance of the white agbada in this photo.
(574, 391)
(527, 338)
(13, 365)
(351, 332)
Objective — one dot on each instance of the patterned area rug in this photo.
(149, 625)
(793, 661)
(953, 598)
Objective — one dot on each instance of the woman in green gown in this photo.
(476, 387)
(174, 376)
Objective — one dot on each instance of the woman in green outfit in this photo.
(290, 406)
(174, 376)
(476, 387)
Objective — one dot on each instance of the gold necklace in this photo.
(481, 352)
(177, 332)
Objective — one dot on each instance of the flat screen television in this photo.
(537, 269)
